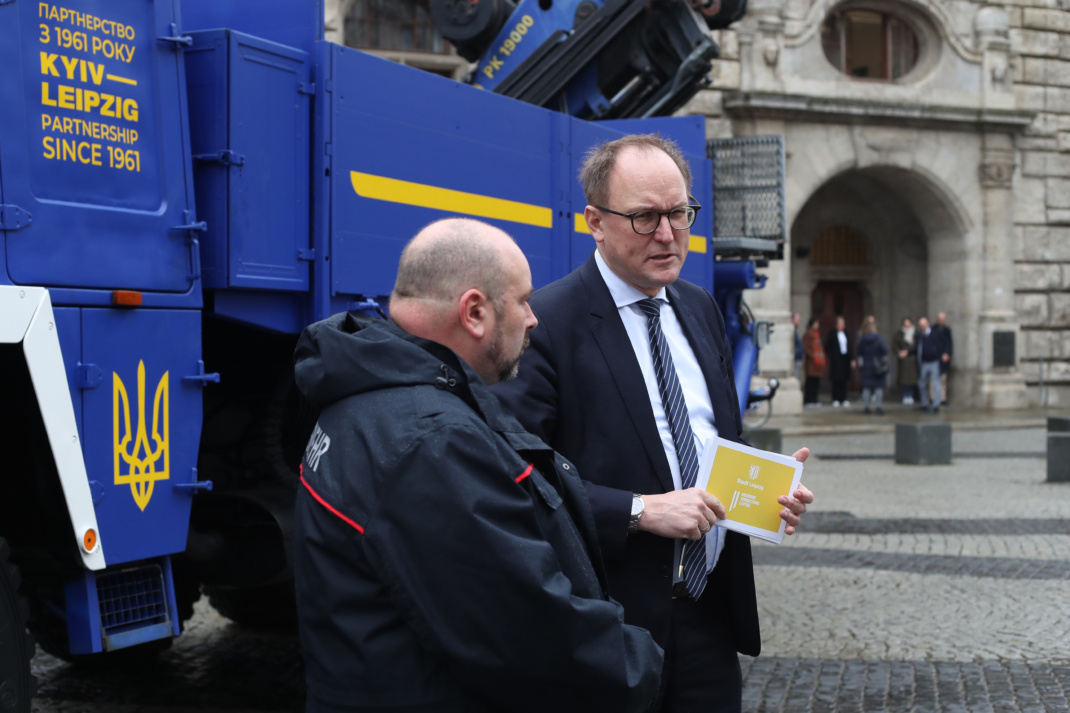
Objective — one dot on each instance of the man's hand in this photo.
(902, 353)
(685, 514)
(795, 506)
(945, 357)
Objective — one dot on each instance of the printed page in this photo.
(748, 482)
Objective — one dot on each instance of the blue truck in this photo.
(184, 187)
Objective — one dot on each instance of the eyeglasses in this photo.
(646, 222)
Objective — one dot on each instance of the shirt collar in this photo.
(622, 293)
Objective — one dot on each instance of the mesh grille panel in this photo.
(132, 596)
(748, 187)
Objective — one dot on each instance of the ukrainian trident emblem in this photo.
(139, 461)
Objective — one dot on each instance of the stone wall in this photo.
(981, 63)
(1040, 33)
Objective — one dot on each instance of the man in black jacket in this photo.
(945, 358)
(446, 559)
(840, 354)
(933, 350)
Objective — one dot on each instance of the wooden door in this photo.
(838, 298)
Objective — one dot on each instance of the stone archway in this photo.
(916, 259)
(937, 225)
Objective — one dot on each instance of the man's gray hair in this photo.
(600, 160)
(455, 260)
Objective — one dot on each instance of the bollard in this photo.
(1058, 424)
(1058, 456)
(923, 443)
(766, 439)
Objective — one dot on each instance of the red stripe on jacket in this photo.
(327, 505)
(526, 473)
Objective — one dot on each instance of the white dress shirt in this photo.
(692, 382)
(842, 337)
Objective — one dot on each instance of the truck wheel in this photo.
(17, 684)
(270, 606)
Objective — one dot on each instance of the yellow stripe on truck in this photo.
(425, 196)
(580, 224)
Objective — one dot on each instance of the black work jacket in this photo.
(446, 559)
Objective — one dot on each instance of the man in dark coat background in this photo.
(447, 560)
(932, 352)
(590, 387)
(839, 350)
(944, 331)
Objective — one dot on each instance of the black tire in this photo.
(270, 606)
(17, 684)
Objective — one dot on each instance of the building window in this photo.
(839, 245)
(393, 25)
(869, 45)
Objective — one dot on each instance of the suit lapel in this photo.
(709, 360)
(609, 334)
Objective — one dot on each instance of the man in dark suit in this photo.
(628, 373)
(840, 353)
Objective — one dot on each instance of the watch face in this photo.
(637, 506)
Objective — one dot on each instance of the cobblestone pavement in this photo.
(908, 588)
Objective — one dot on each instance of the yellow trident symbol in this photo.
(145, 463)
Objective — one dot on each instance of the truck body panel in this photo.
(246, 179)
(93, 147)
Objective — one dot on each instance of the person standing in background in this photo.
(931, 351)
(905, 346)
(800, 353)
(840, 354)
(873, 361)
(815, 362)
(945, 359)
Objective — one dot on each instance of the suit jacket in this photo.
(839, 364)
(581, 390)
(948, 346)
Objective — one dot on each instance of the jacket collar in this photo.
(460, 379)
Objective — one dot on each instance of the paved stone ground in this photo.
(909, 588)
(937, 588)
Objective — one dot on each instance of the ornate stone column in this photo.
(761, 43)
(999, 382)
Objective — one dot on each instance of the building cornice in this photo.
(795, 107)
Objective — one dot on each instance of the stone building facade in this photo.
(927, 170)
(940, 188)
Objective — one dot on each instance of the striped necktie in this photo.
(693, 558)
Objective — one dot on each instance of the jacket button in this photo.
(565, 466)
(665, 570)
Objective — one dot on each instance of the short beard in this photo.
(509, 370)
(506, 368)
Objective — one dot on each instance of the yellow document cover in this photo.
(748, 482)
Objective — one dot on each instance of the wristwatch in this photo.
(637, 512)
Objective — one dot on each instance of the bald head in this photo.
(451, 256)
(465, 284)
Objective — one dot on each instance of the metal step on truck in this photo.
(183, 187)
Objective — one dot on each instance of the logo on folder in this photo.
(141, 456)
